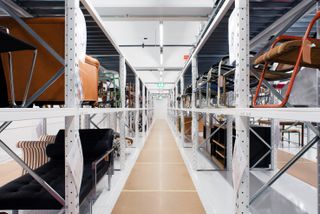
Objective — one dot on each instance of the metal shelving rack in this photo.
(72, 110)
(252, 34)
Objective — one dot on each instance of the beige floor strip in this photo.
(9, 171)
(303, 169)
(159, 182)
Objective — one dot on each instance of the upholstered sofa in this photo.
(24, 193)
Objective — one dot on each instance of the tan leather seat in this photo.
(52, 31)
(287, 53)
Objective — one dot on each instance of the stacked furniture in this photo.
(257, 148)
(188, 125)
(25, 193)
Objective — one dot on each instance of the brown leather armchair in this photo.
(52, 31)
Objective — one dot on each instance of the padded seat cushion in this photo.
(26, 193)
(287, 53)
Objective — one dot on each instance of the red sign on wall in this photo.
(186, 57)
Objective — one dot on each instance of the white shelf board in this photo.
(297, 114)
(15, 114)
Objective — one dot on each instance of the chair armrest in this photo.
(94, 166)
(103, 157)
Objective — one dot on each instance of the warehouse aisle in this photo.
(159, 181)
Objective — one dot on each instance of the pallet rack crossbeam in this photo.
(280, 97)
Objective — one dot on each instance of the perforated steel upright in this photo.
(147, 111)
(195, 134)
(122, 114)
(71, 101)
(137, 105)
(143, 106)
(242, 98)
(181, 112)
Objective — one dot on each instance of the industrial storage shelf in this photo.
(108, 47)
(254, 32)
(296, 114)
(17, 114)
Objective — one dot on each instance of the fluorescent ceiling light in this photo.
(161, 34)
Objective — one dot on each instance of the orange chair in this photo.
(51, 30)
(297, 51)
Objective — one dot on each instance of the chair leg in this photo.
(289, 138)
(109, 178)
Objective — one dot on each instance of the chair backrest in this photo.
(94, 142)
(52, 31)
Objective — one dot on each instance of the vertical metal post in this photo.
(86, 122)
(122, 113)
(242, 101)
(229, 142)
(147, 110)
(195, 133)
(275, 139)
(143, 106)
(137, 105)
(182, 113)
(73, 151)
(44, 126)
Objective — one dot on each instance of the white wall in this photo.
(161, 107)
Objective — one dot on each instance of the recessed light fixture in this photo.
(161, 34)
(161, 42)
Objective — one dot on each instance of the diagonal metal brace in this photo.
(284, 168)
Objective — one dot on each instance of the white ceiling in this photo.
(129, 22)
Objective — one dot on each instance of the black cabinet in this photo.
(258, 149)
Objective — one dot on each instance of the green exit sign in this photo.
(160, 85)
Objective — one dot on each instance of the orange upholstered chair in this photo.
(52, 31)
